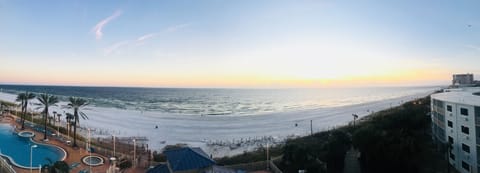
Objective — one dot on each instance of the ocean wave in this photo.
(218, 101)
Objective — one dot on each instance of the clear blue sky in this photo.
(244, 43)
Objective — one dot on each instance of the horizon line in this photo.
(179, 87)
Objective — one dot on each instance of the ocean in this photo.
(187, 101)
(200, 117)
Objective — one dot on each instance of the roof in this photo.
(159, 169)
(187, 159)
(221, 169)
(461, 96)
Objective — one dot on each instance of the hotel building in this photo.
(456, 121)
(463, 79)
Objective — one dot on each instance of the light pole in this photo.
(134, 153)
(113, 145)
(355, 116)
(68, 129)
(31, 155)
(268, 158)
(31, 115)
(16, 112)
(90, 148)
(54, 115)
(311, 127)
(114, 164)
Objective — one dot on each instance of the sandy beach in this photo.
(220, 135)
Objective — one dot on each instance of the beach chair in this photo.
(84, 171)
(74, 165)
(61, 139)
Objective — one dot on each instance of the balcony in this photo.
(477, 121)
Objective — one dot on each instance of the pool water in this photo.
(17, 149)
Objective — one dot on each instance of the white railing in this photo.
(274, 167)
(4, 166)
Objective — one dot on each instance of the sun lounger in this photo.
(83, 171)
(74, 165)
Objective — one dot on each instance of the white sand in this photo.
(200, 130)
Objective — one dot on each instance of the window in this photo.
(478, 137)
(450, 124)
(452, 156)
(477, 112)
(464, 111)
(449, 108)
(450, 140)
(465, 166)
(441, 117)
(478, 154)
(465, 130)
(438, 103)
(466, 148)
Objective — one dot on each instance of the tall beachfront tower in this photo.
(456, 121)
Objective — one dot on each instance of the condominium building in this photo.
(463, 79)
(456, 121)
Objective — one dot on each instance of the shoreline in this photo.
(236, 134)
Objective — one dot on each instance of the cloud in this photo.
(146, 37)
(114, 47)
(139, 41)
(177, 27)
(154, 34)
(97, 29)
(477, 48)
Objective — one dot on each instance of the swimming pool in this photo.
(92, 160)
(17, 149)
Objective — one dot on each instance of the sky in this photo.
(238, 43)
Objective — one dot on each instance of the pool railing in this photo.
(5, 167)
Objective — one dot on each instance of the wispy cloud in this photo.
(140, 40)
(177, 27)
(146, 37)
(477, 48)
(97, 29)
(169, 29)
(112, 48)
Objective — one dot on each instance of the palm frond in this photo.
(29, 96)
(69, 115)
(84, 116)
(49, 160)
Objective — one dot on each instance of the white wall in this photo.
(461, 138)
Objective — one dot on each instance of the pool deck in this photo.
(74, 155)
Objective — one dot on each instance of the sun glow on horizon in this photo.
(265, 44)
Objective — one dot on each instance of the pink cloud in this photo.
(97, 29)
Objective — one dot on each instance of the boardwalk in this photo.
(352, 165)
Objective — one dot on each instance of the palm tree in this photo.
(69, 118)
(75, 104)
(50, 118)
(23, 98)
(46, 101)
(59, 115)
(54, 117)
